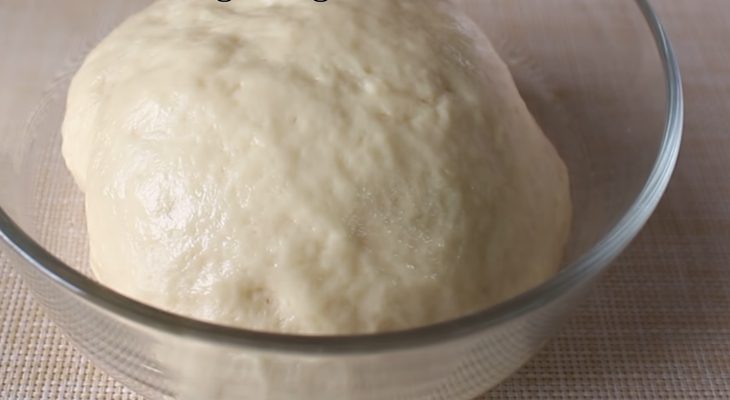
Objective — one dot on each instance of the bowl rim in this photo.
(583, 269)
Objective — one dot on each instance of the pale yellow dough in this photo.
(320, 168)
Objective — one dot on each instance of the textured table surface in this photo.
(656, 327)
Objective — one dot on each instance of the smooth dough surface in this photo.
(318, 168)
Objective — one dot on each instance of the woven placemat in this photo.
(656, 327)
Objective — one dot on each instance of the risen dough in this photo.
(319, 168)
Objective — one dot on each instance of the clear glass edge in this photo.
(586, 267)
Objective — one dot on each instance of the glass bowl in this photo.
(601, 79)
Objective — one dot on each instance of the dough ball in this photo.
(317, 168)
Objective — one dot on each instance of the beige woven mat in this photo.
(657, 327)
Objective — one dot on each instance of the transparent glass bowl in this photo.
(600, 78)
